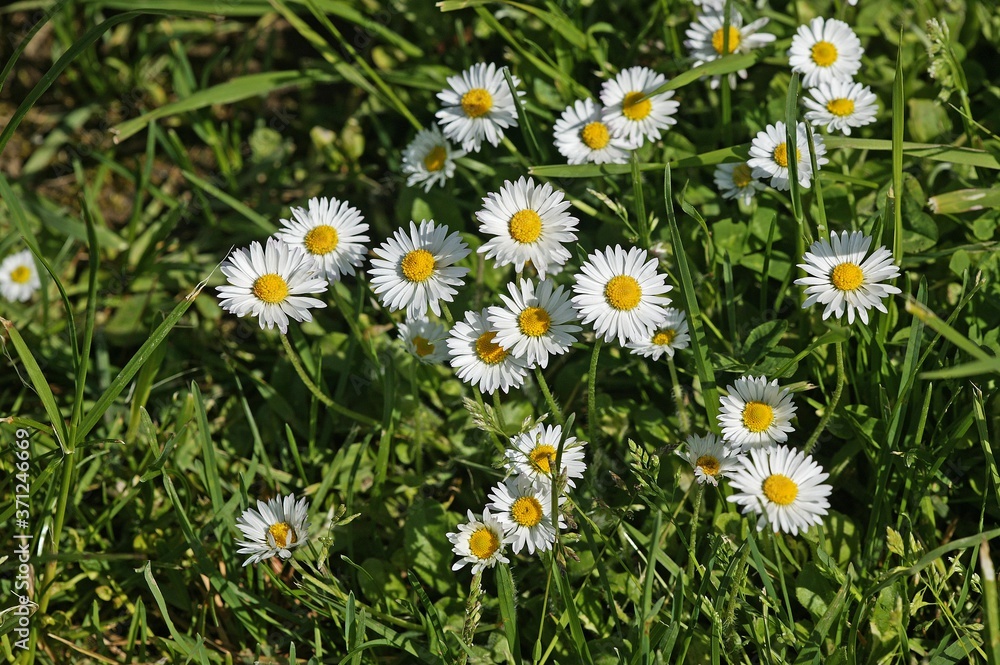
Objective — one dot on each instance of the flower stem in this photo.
(828, 411)
(682, 414)
(473, 612)
(592, 417)
(544, 387)
(695, 515)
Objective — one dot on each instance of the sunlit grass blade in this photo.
(935, 151)
(792, 152)
(508, 606)
(734, 154)
(39, 382)
(259, 220)
(964, 200)
(898, 118)
(991, 606)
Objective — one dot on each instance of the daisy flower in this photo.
(785, 487)
(841, 278)
(705, 39)
(525, 510)
(415, 271)
(841, 105)
(477, 105)
(631, 111)
(582, 136)
(330, 233)
(268, 282)
(430, 159)
(18, 277)
(769, 155)
(529, 222)
(479, 359)
(425, 340)
(710, 5)
(667, 337)
(536, 322)
(533, 455)
(479, 542)
(620, 293)
(756, 413)
(710, 458)
(736, 181)
(275, 527)
(826, 50)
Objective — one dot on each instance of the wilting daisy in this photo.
(620, 293)
(414, 271)
(824, 51)
(769, 155)
(631, 111)
(756, 413)
(535, 322)
(430, 159)
(528, 222)
(275, 527)
(705, 39)
(736, 181)
(841, 278)
(330, 233)
(479, 359)
(582, 136)
(667, 337)
(533, 454)
(479, 542)
(841, 105)
(425, 339)
(19, 277)
(525, 510)
(709, 457)
(477, 105)
(268, 282)
(785, 487)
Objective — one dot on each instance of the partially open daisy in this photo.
(415, 270)
(709, 457)
(841, 105)
(479, 359)
(631, 111)
(785, 487)
(477, 105)
(667, 337)
(769, 155)
(525, 510)
(533, 454)
(842, 279)
(330, 232)
(707, 39)
(425, 340)
(826, 50)
(268, 282)
(736, 181)
(430, 159)
(756, 413)
(528, 222)
(621, 294)
(19, 277)
(479, 542)
(535, 322)
(582, 136)
(275, 527)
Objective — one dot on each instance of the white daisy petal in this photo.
(480, 542)
(710, 458)
(275, 527)
(824, 51)
(705, 40)
(533, 455)
(525, 510)
(841, 105)
(756, 413)
(19, 277)
(632, 111)
(330, 233)
(478, 359)
(769, 155)
(736, 181)
(425, 340)
(582, 136)
(667, 337)
(430, 159)
(477, 105)
(535, 322)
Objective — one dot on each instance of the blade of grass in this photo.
(508, 607)
(898, 117)
(991, 607)
(40, 384)
(28, 36)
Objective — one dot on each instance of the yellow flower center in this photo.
(417, 265)
(435, 159)
(20, 274)
(282, 534)
(526, 511)
(824, 54)
(595, 135)
(270, 288)
(734, 40)
(525, 226)
(840, 107)
(780, 155)
(477, 102)
(757, 416)
(422, 346)
(321, 240)
(780, 489)
(636, 106)
(534, 321)
(483, 543)
(623, 293)
(847, 276)
(742, 175)
(708, 465)
(542, 458)
(489, 351)
(664, 337)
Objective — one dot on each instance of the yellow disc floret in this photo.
(824, 54)
(708, 465)
(525, 226)
(321, 240)
(534, 321)
(595, 135)
(780, 489)
(435, 159)
(542, 457)
(757, 416)
(483, 543)
(636, 106)
(270, 288)
(489, 351)
(422, 346)
(20, 275)
(734, 40)
(623, 293)
(526, 511)
(840, 107)
(417, 265)
(664, 337)
(477, 102)
(742, 175)
(847, 276)
(283, 534)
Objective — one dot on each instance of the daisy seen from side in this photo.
(667, 337)
(426, 340)
(825, 50)
(477, 105)
(841, 105)
(331, 233)
(709, 457)
(532, 454)
(525, 510)
(631, 111)
(707, 39)
(736, 181)
(429, 160)
(769, 155)
(273, 528)
(19, 276)
(480, 542)
(756, 413)
(582, 136)
(479, 360)
(535, 322)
